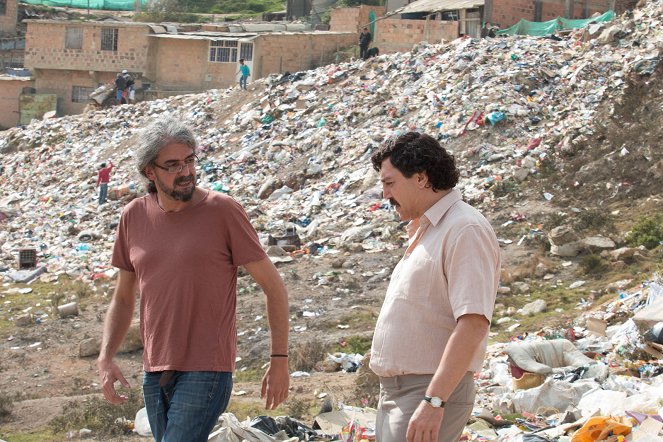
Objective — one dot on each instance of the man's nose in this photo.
(385, 193)
(187, 169)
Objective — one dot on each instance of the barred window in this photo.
(450, 16)
(73, 38)
(223, 51)
(109, 39)
(246, 51)
(81, 94)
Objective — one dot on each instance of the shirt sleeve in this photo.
(472, 266)
(245, 246)
(121, 256)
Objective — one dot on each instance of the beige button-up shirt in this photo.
(451, 268)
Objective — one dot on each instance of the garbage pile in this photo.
(298, 154)
(601, 383)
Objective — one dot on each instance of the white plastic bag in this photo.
(552, 395)
(141, 424)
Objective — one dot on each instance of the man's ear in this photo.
(422, 180)
(149, 172)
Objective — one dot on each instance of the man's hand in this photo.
(275, 383)
(425, 423)
(109, 373)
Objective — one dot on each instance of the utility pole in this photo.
(88, 10)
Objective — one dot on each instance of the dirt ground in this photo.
(40, 362)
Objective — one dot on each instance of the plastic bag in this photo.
(599, 428)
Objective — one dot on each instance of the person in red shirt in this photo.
(103, 177)
(181, 247)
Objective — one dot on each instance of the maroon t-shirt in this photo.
(186, 264)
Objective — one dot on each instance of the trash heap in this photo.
(296, 155)
(596, 381)
(299, 152)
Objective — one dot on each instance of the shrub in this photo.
(103, 418)
(6, 406)
(592, 264)
(647, 231)
(306, 355)
(298, 408)
(595, 220)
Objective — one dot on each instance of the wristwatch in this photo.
(434, 401)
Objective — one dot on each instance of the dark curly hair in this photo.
(413, 152)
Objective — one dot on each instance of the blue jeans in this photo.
(185, 407)
(103, 192)
(242, 81)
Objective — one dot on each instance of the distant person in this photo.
(103, 178)
(130, 93)
(484, 29)
(244, 74)
(365, 39)
(181, 247)
(120, 86)
(431, 334)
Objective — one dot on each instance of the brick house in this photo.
(71, 59)
(505, 13)
(196, 61)
(407, 23)
(12, 88)
(8, 17)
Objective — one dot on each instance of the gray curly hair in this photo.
(156, 136)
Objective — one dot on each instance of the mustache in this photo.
(183, 180)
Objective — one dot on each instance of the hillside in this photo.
(547, 134)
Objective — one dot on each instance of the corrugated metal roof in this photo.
(439, 5)
(232, 37)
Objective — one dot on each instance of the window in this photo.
(450, 15)
(3, 7)
(73, 38)
(81, 94)
(223, 51)
(246, 51)
(109, 39)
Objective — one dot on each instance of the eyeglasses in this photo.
(189, 163)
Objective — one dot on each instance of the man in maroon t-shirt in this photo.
(180, 246)
(103, 177)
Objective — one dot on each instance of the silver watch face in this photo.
(436, 402)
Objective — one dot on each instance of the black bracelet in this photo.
(278, 356)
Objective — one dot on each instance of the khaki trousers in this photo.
(401, 395)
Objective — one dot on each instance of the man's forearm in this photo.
(277, 315)
(267, 276)
(458, 354)
(119, 315)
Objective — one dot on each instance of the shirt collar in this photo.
(437, 211)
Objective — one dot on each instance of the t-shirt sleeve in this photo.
(121, 257)
(245, 246)
(471, 267)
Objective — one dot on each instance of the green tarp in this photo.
(109, 5)
(540, 29)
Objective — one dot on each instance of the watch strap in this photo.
(434, 401)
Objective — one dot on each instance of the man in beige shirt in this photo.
(432, 331)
